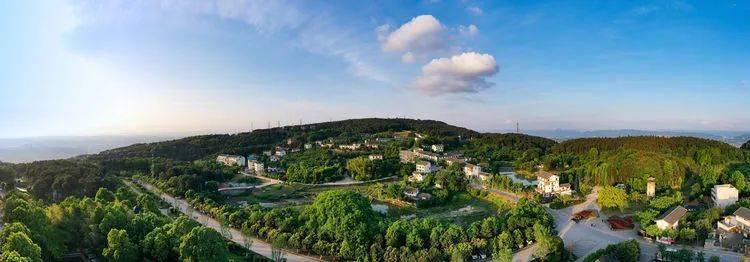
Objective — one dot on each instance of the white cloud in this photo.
(469, 30)
(464, 73)
(475, 10)
(423, 32)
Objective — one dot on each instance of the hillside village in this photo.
(424, 160)
(491, 195)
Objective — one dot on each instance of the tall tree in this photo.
(612, 197)
(203, 244)
(119, 247)
(20, 243)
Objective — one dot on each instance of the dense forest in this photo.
(673, 161)
(746, 145)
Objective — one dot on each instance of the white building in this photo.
(231, 160)
(255, 166)
(438, 148)
(416, 177)
(724, 195)
(308, 146)
(424, 167)
(549, 183)
(280, 152)
(471, 170)
(671, 218)
(738, 222)
(375, 157)
(354, 146)
(411, 192)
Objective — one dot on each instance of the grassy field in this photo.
(464, 208)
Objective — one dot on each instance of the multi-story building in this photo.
(375, 157)
(549, 183)
(255, 166)
(353, 146)
(438, 148)
(724, 195)
(231, 160)
(424, 167)
(406, 156)
(454, 160)
(419, 153)
(471, 170)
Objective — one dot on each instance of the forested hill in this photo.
(197, 147)
(519, 142)
(679, 146)
(631, 160)
(746, 145)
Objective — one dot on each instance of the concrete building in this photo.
(424, 167)
(651, 187)
(375, 157)
(437, 148)
(352, 147)
(733, 230)
(416, 177)
(231, 160)
(308, 146)
(419, 153)
(280, 152)
(547, 183)
(411, 192)
(471, 170)
(671, 218)
(453, 160)
(406, 156)
(724, 195)
(255, 166)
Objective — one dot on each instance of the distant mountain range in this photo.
(21, 150)
(735, 138)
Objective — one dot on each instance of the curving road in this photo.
(258, 246)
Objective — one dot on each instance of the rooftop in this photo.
(544, 174)
(673, 214)
(743, 212)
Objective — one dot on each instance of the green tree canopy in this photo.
(203, 244)
(119, 247)
(612, 197)
(20, 243)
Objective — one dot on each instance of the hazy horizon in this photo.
(83, 67)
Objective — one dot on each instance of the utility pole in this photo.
(518, 129)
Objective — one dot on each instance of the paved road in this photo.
(258, 246)
(343, 182)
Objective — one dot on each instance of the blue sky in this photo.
(86, 67)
